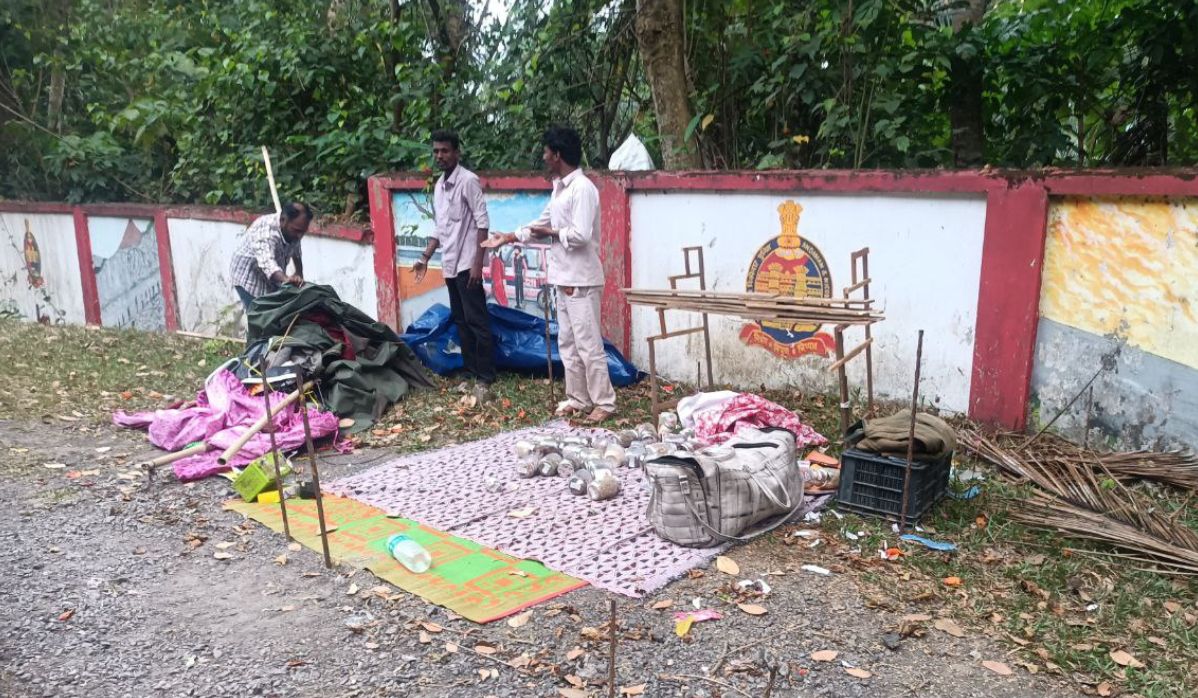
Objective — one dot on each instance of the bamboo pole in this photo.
(261, 423)
(177, 455)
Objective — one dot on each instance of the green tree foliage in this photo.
(167, 100)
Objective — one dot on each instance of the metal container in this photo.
(591, 454)
(579, 481)
(614, 453)
(547, 444)
(668, 422)
(646, 432)
(524, 447)
(549, 464)
(574, 440)
(529, 466)
(626, 437)
(657, 450)
(603, 488)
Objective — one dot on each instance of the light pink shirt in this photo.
(573, 213)
(459, 210)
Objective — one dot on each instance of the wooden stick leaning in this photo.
(177, 455)
(260, 424)
(270, 178)
(275, 455)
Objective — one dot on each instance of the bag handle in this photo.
(686, 490)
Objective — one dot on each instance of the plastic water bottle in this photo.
(409, 553)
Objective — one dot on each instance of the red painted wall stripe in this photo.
(614, 243)
(166, 268)
(87, 272)
(386, 274)
(1008, 304)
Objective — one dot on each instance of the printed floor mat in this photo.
(472, 490)
(473, 581)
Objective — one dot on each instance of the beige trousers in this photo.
(580, 342)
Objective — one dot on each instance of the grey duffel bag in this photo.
(716, 495)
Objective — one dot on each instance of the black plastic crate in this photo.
(872, 484)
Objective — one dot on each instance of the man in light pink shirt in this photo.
(462, 224)
(570, 224)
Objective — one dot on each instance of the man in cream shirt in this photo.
(570, 224)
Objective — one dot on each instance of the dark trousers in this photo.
(469, 309)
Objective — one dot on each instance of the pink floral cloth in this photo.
(222, 413)
(753, 411)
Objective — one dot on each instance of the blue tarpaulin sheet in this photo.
(519, 344)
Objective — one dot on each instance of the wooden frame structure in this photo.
(855, 303)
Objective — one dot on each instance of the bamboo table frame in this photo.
(857, 293)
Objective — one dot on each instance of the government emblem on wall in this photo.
(790, 265)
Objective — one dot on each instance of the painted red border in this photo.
(382, 220)
(1004, 344)
(87, 271)
(166, 267)
(7, 206)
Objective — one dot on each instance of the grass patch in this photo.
(1054, 602)
(1061, 604)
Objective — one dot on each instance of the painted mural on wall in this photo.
(521, 270)
(128, 278)
(925, 266)
(30, 283)
(1118, 300)
(791, 265)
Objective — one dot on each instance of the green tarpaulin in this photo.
(382, 371)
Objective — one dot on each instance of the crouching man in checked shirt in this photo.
(259, 265)
(570, 224)
(462, 225)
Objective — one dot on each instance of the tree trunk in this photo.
(965, 90)
(659, 34)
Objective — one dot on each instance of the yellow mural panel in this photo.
(1126, 267)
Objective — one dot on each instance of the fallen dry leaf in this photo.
(224, 546)
(952, 581)
(353, 589)
(425, 638)
(1104, 689)
(1172, 606)
(281, 559)
(66, 615)
(450, 647)
(571, 693)
(431, 627)
(664, 603)
(222, 556)
(575, 681)
(1159, 642)
(727, 565)
(520, 620)
(295, 547)
(998, 668)
(575, 653)
(824, 655)
(752, 609)
(485, 649)
(859, 673)
(917, 618)
(637, 690)
(1124, 659)
(949, 626)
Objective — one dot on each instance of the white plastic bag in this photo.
(631, 156)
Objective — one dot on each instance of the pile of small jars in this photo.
(589, 464)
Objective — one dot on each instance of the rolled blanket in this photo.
(934, 438)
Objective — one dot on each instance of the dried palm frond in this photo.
(1082, 497)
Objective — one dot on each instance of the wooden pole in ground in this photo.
(611, 657)
(274, 451)
(911, 436)
(311, 448)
